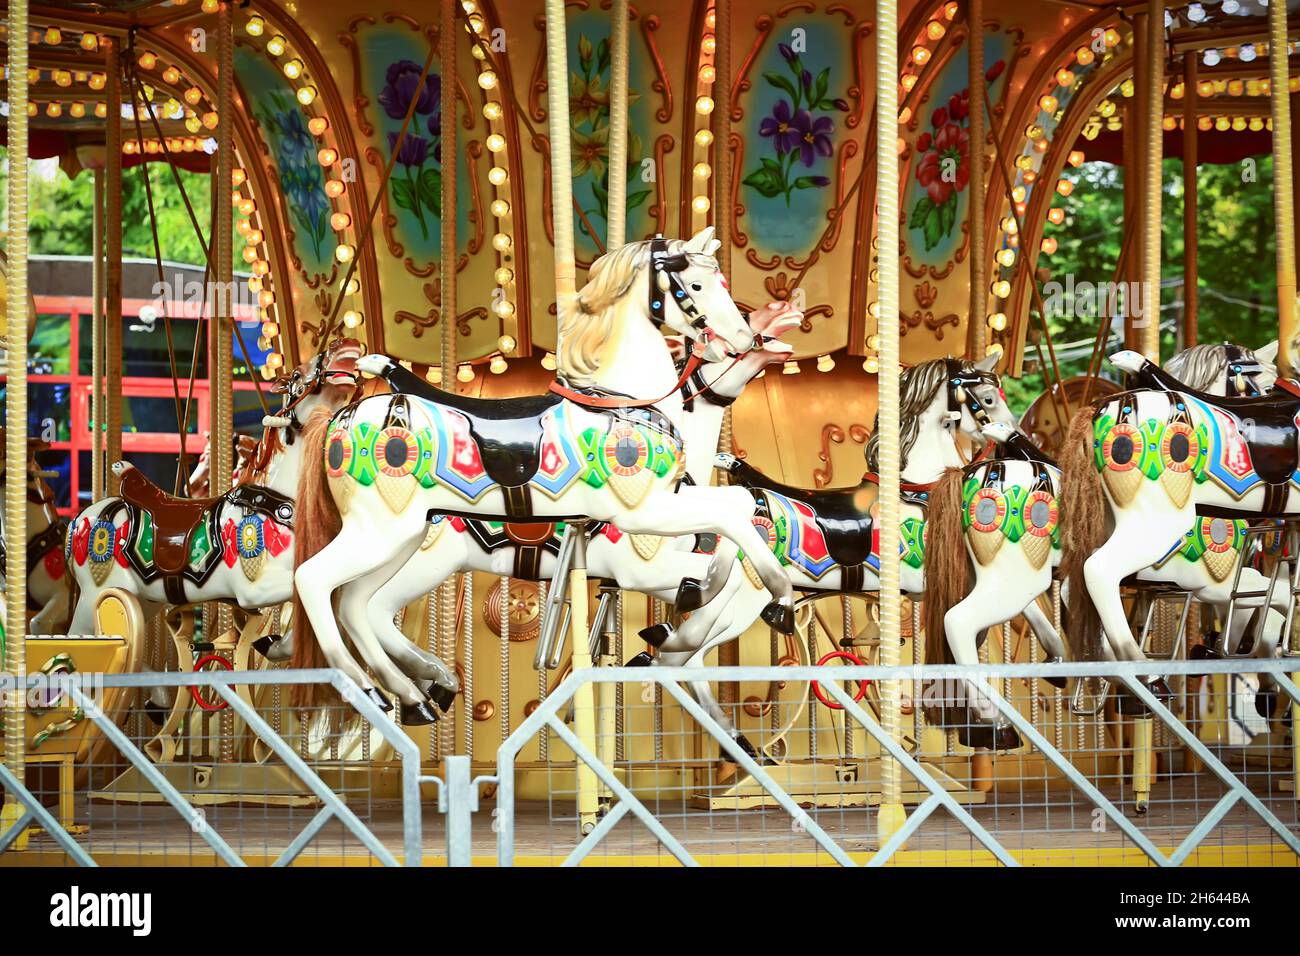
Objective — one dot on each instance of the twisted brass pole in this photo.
(616, 220)
(1154, 114)
(1283, 188)
(978, 267)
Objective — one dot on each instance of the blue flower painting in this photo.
(302, 181)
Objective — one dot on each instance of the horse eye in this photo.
(988, 401)
(696, 287)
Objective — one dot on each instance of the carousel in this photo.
(418, 566)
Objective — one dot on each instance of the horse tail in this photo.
(316, 524)
(947, 570)
(1083, 531)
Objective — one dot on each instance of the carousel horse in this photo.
(604, 444)
(236, 547)
(48, 585)
(1143, 466)
(987, 529)
(198, 482)
(648, 563)
(827, 537)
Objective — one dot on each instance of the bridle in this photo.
(1242, 371)
(665, 277)
(962, 380)
(699, 387)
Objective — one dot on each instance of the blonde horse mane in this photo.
(587, 323)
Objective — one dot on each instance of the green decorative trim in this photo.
(1100, 429)
(591, 446)
(1013, 521)
(1151, 463)
(912, 538)
(200, 545)
(144, 539)
(426, 446)
(362, 466)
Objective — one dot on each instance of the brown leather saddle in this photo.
(174, 519)
(1266, 423)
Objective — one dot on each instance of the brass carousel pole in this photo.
(891, 815)
(978, 267)
(557, 105)
(447, 269)
(97, 468)
(1191, 295)
(15, 623)
(221, 326)
(112, 420)
(1283, 189)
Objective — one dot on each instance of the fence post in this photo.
(459, 801)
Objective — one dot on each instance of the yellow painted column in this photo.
(1283, 189)
(15, 632)
(891, 815)
(450, 305)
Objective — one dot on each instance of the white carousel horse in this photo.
(1138, 467)
(48, 584)
(826, 538)
(654, 565)
(237, 547)
(605, 444)
(991, 526)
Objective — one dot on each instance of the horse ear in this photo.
(1267, 353)
(988, 363)
(701, 241)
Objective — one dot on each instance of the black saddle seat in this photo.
(842, 514)
(508, 431)
(1265, 422)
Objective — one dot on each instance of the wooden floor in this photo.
(1045, 827)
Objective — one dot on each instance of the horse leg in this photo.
(1048, 637)
(419, 575)
(695, 592)
(354, 598)
(727, 511)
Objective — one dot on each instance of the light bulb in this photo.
(496, 142)
(352, 319)
(317, 125)
(327, 156)
(506, 343)
(704, 105)
(998, 321)
(501, 242)
(498, 364)
(790, 368)
(700, 204)
(500, 208)
(465, 373)
(270, 329)
(548, 361)
(255, 25)
(487, 80)
(340, 221)
(334, 188)
(276, 45)
(497, 176)
(293, 68)
(825, 363)
(344, 253)
(306, 95)
(703, 137)
(503, 276)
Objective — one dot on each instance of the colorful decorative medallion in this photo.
(103, 538)
(397, 453)
(252, 546)
(338, 453)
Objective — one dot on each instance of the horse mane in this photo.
(916, 390)
(1200, 366)
(253, 465)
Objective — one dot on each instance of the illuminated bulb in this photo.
(261, 267)
(1001, 288)
(548, 361)
(210, 120)
(334, 188)
(1211, 57)
(1006, 257)
(1035, 131)
(306, 95)
(317, 125)
(708, 44)
(211, 6)
(504, 309)
(503, 276)
(276, 45)
(293, 68)
(496, 142)
(77, 110)
(704, 105)
(935, 30)
(238, 177)
(700, 204)
(500, 208)
(497, 176)
(873, 342)
(327, 156)
(1048, 245)
(487, 80)
(97, 81)
(147, 60)
(53, 109)
(909, 81)
(434, 375)
(266, 298)
(492, 110)
(1231, 6)
(1205, 124)
(247, 207)
(502, 242)
(790, 368)
(1048, 103)
(1084, 55)
(702, 170)
(274, 360)
(1247, 53)
(192, 124)
(352, 319)
(1056, 215)
(353, 286)
(344, 253)
(498, 364)
(506, 343)
(707, 74)
(920, 55)
(250, 253)
(825, 363)
(264, 343)
(1256, 123)
(1018, 194)
(1064, 187)
(89, 42)
(1075, 158)
(340, 221)
(1171, 122)
(101, 110)
(62, 78)
(871, 364)
(1008, 225)
(1112, 37)
(997, 321)
(171, 75)
(703, 137)
(1064, 77)
(255, 26)
(465, 373)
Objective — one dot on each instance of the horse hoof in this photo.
(656, 634)
(1265, 703)
(379, 700)
(156, 713)
(418, 715)
(779, 616)
(444, 697)
(1161, 689)
(1059, 683)
(1204, 652)
(263, 644)
(641, 660)
(743, 742)
(690, 595)
(989, 737)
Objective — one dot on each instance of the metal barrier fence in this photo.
(1087, 789)
(239, 778)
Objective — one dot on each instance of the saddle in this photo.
(843, 515)
(1266, 423)
(174, 519)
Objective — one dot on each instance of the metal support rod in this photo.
(98, 469)
(722, 157)
(113, 266)
(1152, 166)
(1283, 187)
(1191, 294)
(15, 526)
(220, 397)
(891, 814)
(584, 711)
